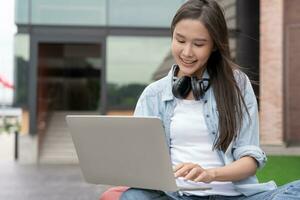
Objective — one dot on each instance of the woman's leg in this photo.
(290, 191)
(139, 194)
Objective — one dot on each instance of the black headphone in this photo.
(183, 85)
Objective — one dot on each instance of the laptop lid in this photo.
(122, 150)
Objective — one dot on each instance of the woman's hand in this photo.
(235, 171)
(194, 172)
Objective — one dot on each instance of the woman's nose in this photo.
(187, 51)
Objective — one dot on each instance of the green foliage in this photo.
(93, 87)
(281, 169)
(125, 96)
(9, 124)
(21, 83)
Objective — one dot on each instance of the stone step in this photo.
(49, 159)
(57, 146)
(58, 154)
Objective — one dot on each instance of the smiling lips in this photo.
(187, 62)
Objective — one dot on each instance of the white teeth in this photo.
(188, 62)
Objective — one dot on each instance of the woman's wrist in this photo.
(213, 173)
(238, 170)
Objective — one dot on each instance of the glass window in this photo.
(69, 12)
(137, 13)
(233, 47)
(131, 64)
(21, 12)
(142, 13)
(21, 52)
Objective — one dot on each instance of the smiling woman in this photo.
(213, 138)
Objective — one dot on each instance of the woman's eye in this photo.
(180, 41)
(199, 45)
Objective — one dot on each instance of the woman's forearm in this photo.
(238, 170)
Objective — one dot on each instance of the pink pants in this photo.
(113, 193)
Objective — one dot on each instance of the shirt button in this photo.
(207, 116)
(213, 132)
(205, 101)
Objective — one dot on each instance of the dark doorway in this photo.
(68, 77)
(247, 54)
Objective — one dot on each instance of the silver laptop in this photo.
(123, 150)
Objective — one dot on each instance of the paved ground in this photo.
(39, 182)
(64, 182)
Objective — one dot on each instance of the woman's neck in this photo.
(190, 96)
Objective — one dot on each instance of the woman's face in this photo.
(191, 47)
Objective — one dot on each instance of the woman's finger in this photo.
(177, 167)
(193, 173)
(183, 170)
(200, 177)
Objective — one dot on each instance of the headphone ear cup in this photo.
(196, 88)
(181, 87)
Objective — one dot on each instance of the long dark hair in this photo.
(230, 102)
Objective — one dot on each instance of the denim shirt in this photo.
(157, 100)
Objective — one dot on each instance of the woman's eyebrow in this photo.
(196, 39)
(179, 35)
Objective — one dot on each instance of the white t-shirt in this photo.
(191, 142)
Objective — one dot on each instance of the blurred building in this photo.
(279, 71)
(96, 56)
(91, 56)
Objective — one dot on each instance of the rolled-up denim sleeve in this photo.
(247, 141)
(252, 151)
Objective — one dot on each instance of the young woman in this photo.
(209, 112)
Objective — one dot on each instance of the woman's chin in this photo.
(187, 70)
